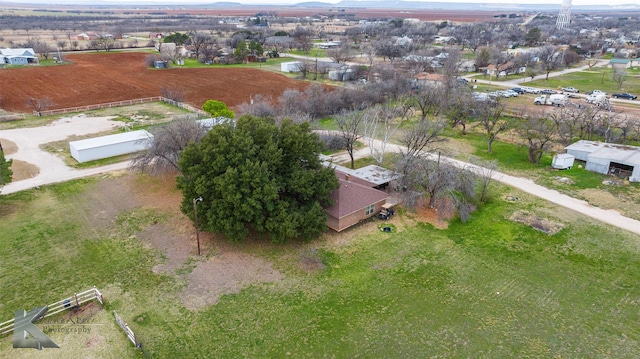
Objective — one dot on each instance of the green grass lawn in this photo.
(490, 287)
(588, 80)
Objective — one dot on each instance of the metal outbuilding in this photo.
(608, 158)
(110, 146)
(293, 66)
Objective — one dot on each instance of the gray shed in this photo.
(581, 149)
(110, 146)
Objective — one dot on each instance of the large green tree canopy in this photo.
(258, 176)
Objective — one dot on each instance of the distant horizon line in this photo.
(377, 4)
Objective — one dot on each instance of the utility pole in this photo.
(195, 217)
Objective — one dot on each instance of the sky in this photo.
(277, 2)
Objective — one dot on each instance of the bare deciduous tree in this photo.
(490, 116)
(538, 132)
(39, 104)
(174, 93)
(343, 53)
(425, 133)
(380, 123)
(350, 125)
(619, 77)
(166, 145)
(549, 59)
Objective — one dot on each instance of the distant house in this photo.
(425, 79)
(608, 158)
(505, 69)
(616, 63)
(467, 66)
(81, 36)
(635, 62)
(21, 56)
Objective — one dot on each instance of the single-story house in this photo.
(608, 158)
(467, 66)
(110, 146)
(21, 56)
(616, 63)
(505, 69)
(354, 201)
(361, 194)
(425, 79)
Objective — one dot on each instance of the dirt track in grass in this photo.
(109, 77)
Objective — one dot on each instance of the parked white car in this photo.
(531, 90)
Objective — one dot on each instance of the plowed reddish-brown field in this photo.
(108, 77)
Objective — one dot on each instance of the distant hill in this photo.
(400, 4)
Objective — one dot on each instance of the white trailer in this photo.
(553, 100)
(599, 100)
(563, 161)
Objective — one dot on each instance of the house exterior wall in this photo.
(353, 218)
(17, 60)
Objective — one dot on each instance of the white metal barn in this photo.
(293, 66)
(110, 146)
(608, 158)
(581, 149)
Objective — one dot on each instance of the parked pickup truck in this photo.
(570, 89)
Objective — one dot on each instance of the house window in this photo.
(370, 209)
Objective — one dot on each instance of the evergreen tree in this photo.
(256, 176)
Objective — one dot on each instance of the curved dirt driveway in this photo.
(52, 168)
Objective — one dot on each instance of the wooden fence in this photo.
(98, 106)
(59, 306)
(120, 104)
(130, 334)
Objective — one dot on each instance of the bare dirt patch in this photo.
(541, 224)
(225, 274)
(23, 170)
(8, 147)
(223, 267)
(105, 199)
(109, 77)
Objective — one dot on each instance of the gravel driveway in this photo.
(52, 168)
